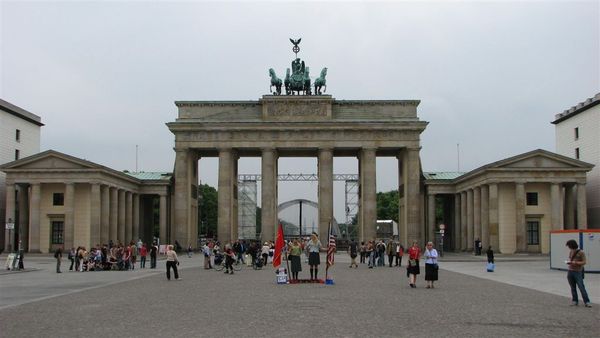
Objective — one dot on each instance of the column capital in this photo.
(325, 149)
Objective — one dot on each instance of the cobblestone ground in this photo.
(362, 303)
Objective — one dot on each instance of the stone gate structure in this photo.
(300, 126)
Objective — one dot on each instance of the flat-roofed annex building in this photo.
(577, 132)
(19, 138)
(61, 200)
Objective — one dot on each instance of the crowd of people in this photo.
(372, 253)
(109, 256)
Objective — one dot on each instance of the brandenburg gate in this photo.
(300, 126)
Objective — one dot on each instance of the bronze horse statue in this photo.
(321, 82)
(275, 81)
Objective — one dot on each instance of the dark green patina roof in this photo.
(443, 175)
(150, 176)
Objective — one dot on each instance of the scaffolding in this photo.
(247, 198)
(247, 209)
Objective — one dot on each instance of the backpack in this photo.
(56, 254)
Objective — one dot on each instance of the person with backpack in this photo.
(353, 251)
(575, 274)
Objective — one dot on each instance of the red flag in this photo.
(278, 247)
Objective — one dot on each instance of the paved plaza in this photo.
(522, 298)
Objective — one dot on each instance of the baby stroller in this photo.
(257, 263)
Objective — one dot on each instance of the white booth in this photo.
(588, 241)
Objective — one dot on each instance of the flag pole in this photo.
(327, 257)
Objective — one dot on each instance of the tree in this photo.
(208, 208)
(387, 205)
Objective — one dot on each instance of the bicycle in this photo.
(236, 266)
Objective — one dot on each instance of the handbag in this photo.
(412, 262)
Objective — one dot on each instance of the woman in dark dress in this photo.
(314, 247)
(294, 252)
(412, 270)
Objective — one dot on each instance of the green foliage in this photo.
(208, 209)
(387, 205)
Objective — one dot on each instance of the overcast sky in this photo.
(490, 75)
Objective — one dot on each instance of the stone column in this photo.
(413, 176)
(569, 206)
(225, 195)
(521, 223)
(128, 217)
(95, 214)
(105, 216)
(186, 182)
(456, 227)
(477, 213)
(368, 191)
(69, 201)
(268, 194)
(325, 170)
(114, 214)
(555, 203)
(23, 196)
(463, 221)
(431, 217)
(34, 218)
(581, 207)
(121, 219)
(485, 217)
(136, 217)
(494, 217)
(162, 225)
(470, 220)
(402, 218)
(10, 215)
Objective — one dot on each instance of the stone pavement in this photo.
(363, 302)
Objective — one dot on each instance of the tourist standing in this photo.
(412, 270)
(265, 253)
(71, 257)
(370, 252)
(431, 264)
(190, 251)
(478, 247)
(363, 252)
(490, 255)
(353, 251)
(295, 250)
(575, 274)
(172, 263)
(399, 254)
(143, 254)
(153, 252)
(58, 256)
(390, 250)
(314, 257)
(133, 257)
(206, 254)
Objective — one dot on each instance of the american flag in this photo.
(331, 247)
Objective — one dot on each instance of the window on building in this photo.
(533, 232)
(577, 133)
(532, 198)
(17, 154)
(58, 198)
(577, 153)
(18, 135)
(58, 231)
